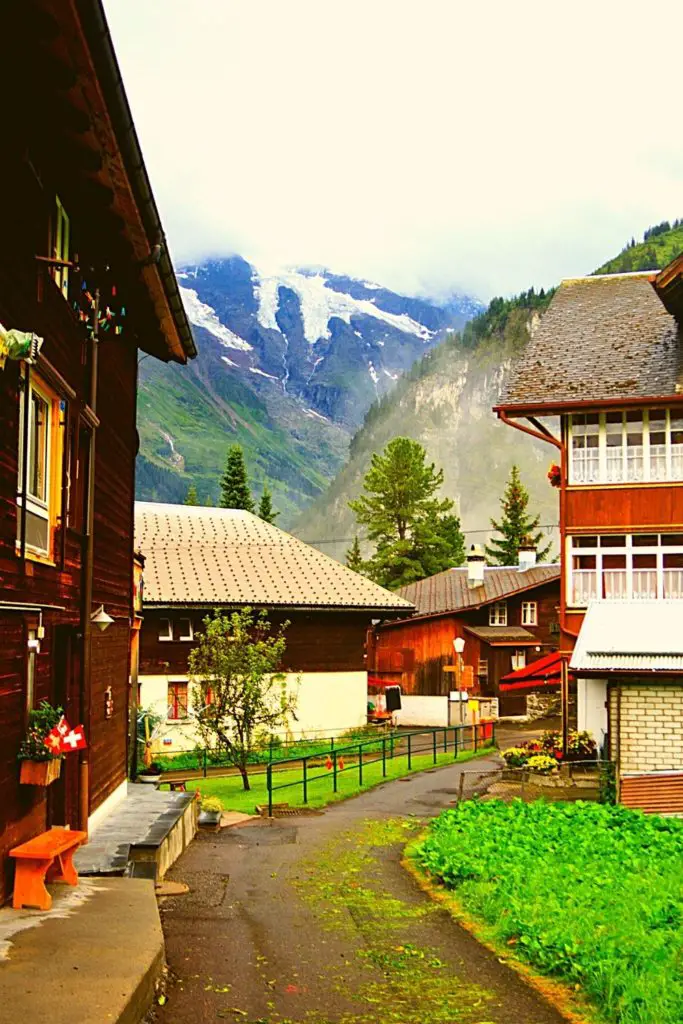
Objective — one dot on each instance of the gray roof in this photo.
(224, 556)
(449, 592)
(630, 636)
(603, 337)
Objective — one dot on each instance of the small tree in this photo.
(354, 558)
(191, 496)
(235, 491)
(265, 508)
(241, 693)
(516, 525)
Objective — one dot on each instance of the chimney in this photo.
(476, 560)
(527, 555)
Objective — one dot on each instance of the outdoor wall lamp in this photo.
(100, 619)
(458, 645)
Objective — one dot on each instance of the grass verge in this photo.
(229, 789)
(584, 893)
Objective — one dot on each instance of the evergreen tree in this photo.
(191, 496)
(265, 508)
(416, 533)
(235, 491)
(354, 558)
(516, 526)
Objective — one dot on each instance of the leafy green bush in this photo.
(41, 721)
(585, 892)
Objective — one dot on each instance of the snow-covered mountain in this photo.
(289, 362)
(334, 342)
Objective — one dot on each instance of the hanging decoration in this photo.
(62, 739)
(18, 345)
(110, 312)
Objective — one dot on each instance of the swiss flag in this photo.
(74, 739)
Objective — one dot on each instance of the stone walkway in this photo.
(145, 816)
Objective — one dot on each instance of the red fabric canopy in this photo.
(546, 671)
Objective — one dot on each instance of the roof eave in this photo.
(526, 408)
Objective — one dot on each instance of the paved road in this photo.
(313, 920)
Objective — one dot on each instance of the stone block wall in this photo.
(651, 729)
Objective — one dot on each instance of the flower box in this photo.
(40, 773)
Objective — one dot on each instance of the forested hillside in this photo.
(659, 246)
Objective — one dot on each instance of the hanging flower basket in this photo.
(555, 475)
(40, 773)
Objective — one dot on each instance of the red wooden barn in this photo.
(84, 267)
(507, 617)
(602, 381)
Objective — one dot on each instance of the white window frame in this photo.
(182, 636)
(529, 613)
(604, 468)
(518, 658)
(628, 581)
(37, 505)
(165, 639)
(498, 613)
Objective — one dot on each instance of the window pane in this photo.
(585, 542)
(584, 561)
(673, 561)
(645, 561)
(165, 632)
(617, 561)
(645, 540)
(671, 539)
(37, 530)
(38, 429)
(616, 540)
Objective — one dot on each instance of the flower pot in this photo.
(149, 780)
(40, 773)
(209, 817)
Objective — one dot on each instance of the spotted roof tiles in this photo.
(218, 556)
(605, 337)
(448, 591)
(502, 634)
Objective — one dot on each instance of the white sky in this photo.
(430, 145)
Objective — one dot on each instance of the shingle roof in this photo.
(220, 556)
(604, 337)
(502, 634)
(448, 591)
(642, 636)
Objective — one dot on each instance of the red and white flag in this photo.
(74, 739)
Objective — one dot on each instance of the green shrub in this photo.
(585, 892)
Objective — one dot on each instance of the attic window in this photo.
(165, 629)
(185, 631)
(498, 614)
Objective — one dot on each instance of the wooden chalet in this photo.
(85, 275)
(199, 560)
(602, 381)
(507, 617)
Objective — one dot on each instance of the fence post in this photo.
(410, 762)
(269, 784)
(434, 747)
(384, 757)
(205, 757)
(332, 742)
(455, 743)
(476, 734)
(360, 764)
(445, 741)
(334, 771)
(391, 740)
(305, 780)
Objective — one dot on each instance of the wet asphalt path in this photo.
(314, 920)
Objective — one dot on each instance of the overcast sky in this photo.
(430, 145)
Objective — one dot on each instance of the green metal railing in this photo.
(458, 739)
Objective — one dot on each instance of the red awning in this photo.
(546, 671)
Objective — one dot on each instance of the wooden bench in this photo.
(47, 857)
(177, 785)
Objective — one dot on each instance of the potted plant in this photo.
(151, 774)
(40, 765)
(211, 811)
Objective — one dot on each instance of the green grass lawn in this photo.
(587, 893)
(234, 798)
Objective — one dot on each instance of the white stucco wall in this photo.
(427, 711)
(328, 704)
(591, 709)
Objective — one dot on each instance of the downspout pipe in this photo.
(87, 597)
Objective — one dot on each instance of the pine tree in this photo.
(416, 533)
(265, 508)
(516, 526)
(235, 491)
(354, 558)
(191, 496)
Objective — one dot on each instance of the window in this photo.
(60, 247)
(498, 614)
(43, 459)
(177, 701)
(529, 613)
(483, 668)
(518, 659)
(628, 567)
(165, 629)
(626, 446)
(185, 629)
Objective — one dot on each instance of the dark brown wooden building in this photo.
(198, 560)
(506, 616)
(83, 266)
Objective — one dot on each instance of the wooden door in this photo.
(63, 808)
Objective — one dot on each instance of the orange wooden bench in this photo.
(47, 857)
